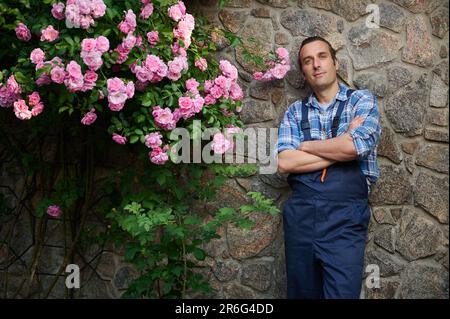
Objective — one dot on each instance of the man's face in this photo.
(318, 66)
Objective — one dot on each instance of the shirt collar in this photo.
(341, 96)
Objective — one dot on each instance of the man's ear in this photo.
(337, 64)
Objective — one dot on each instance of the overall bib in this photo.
(325, 227)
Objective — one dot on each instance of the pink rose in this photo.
(116, 107)
(54, 211)
(130, 18)
(49, 34)
(228, 70)
(198, 103)
(58, 74)
(210, 100)
(175, 48)
(90, 76)
(185, 104)
(58, 11)
(129, 42)
(176, 66)
(223, 82)
(21, 110)
(124, 27)
(158, 156)
(202, 64)
(37, 56)
(23, 33)
(44, 79)
(74, 69)
(98, 9)
(13, 86)
(217, 92)
(221, 144)
(236, 92)
(141, 73)
(182, 52)
(102, 44)
(34, 98)
(139, 42)
(282, 54)
(93, 60)
(115, 85)
(129, 24)
(184, 29)
(88, 45)
(258, 75)
(153, 140)
(279, 71)
(119, 139)
(208, 85)
(146, 11)
(192, 85)
(56, 61)
(89, 117)
(232, 130)
(153, 37)
(7, 98)
(37, 109)
(164, 118)
(117, 93)
(130, 89)
(182, 7)
(175, 12)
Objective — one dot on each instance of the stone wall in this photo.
(32, 249)
(405, 64)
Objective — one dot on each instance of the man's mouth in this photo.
(318, 74)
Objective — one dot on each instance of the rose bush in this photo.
(143, 68)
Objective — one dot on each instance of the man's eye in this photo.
(307, 61)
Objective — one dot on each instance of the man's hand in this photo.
(356, 122)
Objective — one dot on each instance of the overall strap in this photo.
(337, 117)
(305, 126)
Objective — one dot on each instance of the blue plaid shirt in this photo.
(365, 137)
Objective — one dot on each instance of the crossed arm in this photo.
(315, 155)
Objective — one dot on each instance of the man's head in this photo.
(318, 63)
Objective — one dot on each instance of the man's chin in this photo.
(321, 84)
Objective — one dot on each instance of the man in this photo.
(327, 143)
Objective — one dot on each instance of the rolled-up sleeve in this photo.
(366, 136)
(289, 133)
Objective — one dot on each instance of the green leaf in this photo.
(199, 254)
(140, 118)
(62, 109)
(161, 179)
(134, 139)
(20, 78)
(192, 220)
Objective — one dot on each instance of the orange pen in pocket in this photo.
(324, 173)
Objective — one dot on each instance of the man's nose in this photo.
(317, 64)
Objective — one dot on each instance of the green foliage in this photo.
(165, 232)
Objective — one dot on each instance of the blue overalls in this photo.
(325, 227)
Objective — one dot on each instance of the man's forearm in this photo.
(340, 149)
(295, 161)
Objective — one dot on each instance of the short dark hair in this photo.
(313, 39)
